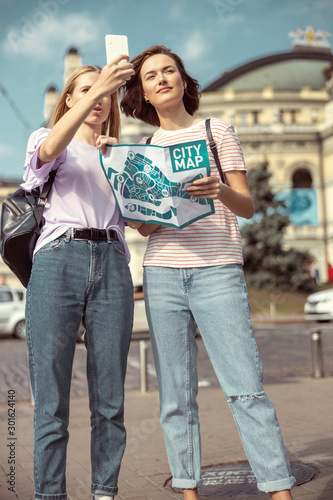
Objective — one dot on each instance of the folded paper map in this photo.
(149, 182)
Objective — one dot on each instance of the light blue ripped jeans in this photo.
(216, 299)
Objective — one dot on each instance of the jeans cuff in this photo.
(189, 484)
(279, 485)
(99, 489)
(44, 496)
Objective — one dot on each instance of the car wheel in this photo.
(19, 331)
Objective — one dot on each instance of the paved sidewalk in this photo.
(304, 407)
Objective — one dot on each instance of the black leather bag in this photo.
(21, 220)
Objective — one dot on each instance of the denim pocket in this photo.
(118, 247)
(52, 245)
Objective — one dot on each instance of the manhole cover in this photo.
(235, 479)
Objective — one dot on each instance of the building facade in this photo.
(282, 109)
(281, 106)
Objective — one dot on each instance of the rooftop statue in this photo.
(310, 38)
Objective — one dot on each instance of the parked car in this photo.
(319, 306)
(12, 311)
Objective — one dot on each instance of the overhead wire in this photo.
(17, 111)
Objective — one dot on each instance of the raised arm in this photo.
(111, 78)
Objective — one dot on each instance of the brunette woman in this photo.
(194, 276)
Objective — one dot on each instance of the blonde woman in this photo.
(80, 270)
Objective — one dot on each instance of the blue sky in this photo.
(210, 35)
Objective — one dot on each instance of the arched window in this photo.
(302, 178)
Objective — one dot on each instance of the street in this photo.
(300, 400)
(285, 350)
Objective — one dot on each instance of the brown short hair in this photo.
(111, 125)
(133, 103)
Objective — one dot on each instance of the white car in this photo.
(12, 311)
(319, 306)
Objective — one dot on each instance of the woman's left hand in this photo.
(207, 187)
(103, 140)
(133, 224)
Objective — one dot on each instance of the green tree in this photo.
(266, 263)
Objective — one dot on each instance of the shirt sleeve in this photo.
(35, 176)
(230, 151)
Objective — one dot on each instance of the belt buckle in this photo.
(73, 237)
(111, 234)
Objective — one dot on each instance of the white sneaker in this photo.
(102, 497)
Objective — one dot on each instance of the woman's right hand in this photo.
(114, 75)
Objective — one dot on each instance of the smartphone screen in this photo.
(115, 45)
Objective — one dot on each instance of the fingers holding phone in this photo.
(113, 76)
(118, 68)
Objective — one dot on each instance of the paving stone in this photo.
(302, 403)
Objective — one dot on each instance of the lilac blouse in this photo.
(80, 196)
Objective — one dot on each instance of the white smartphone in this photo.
(115, 45)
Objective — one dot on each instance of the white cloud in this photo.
(195, 47)
(234, 18)
(38, 35)
(176, 11)
(6, 150)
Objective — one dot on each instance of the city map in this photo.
(149, 182)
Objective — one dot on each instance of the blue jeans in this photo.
(71, 280)
(216, 299)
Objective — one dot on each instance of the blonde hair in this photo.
(111, 125)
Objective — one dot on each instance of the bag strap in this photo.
(41, 197)
(212, 145)
(46, 189)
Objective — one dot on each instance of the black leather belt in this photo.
(92, 233)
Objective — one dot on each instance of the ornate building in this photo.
(282, 109)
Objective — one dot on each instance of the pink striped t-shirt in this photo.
(213, 240)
